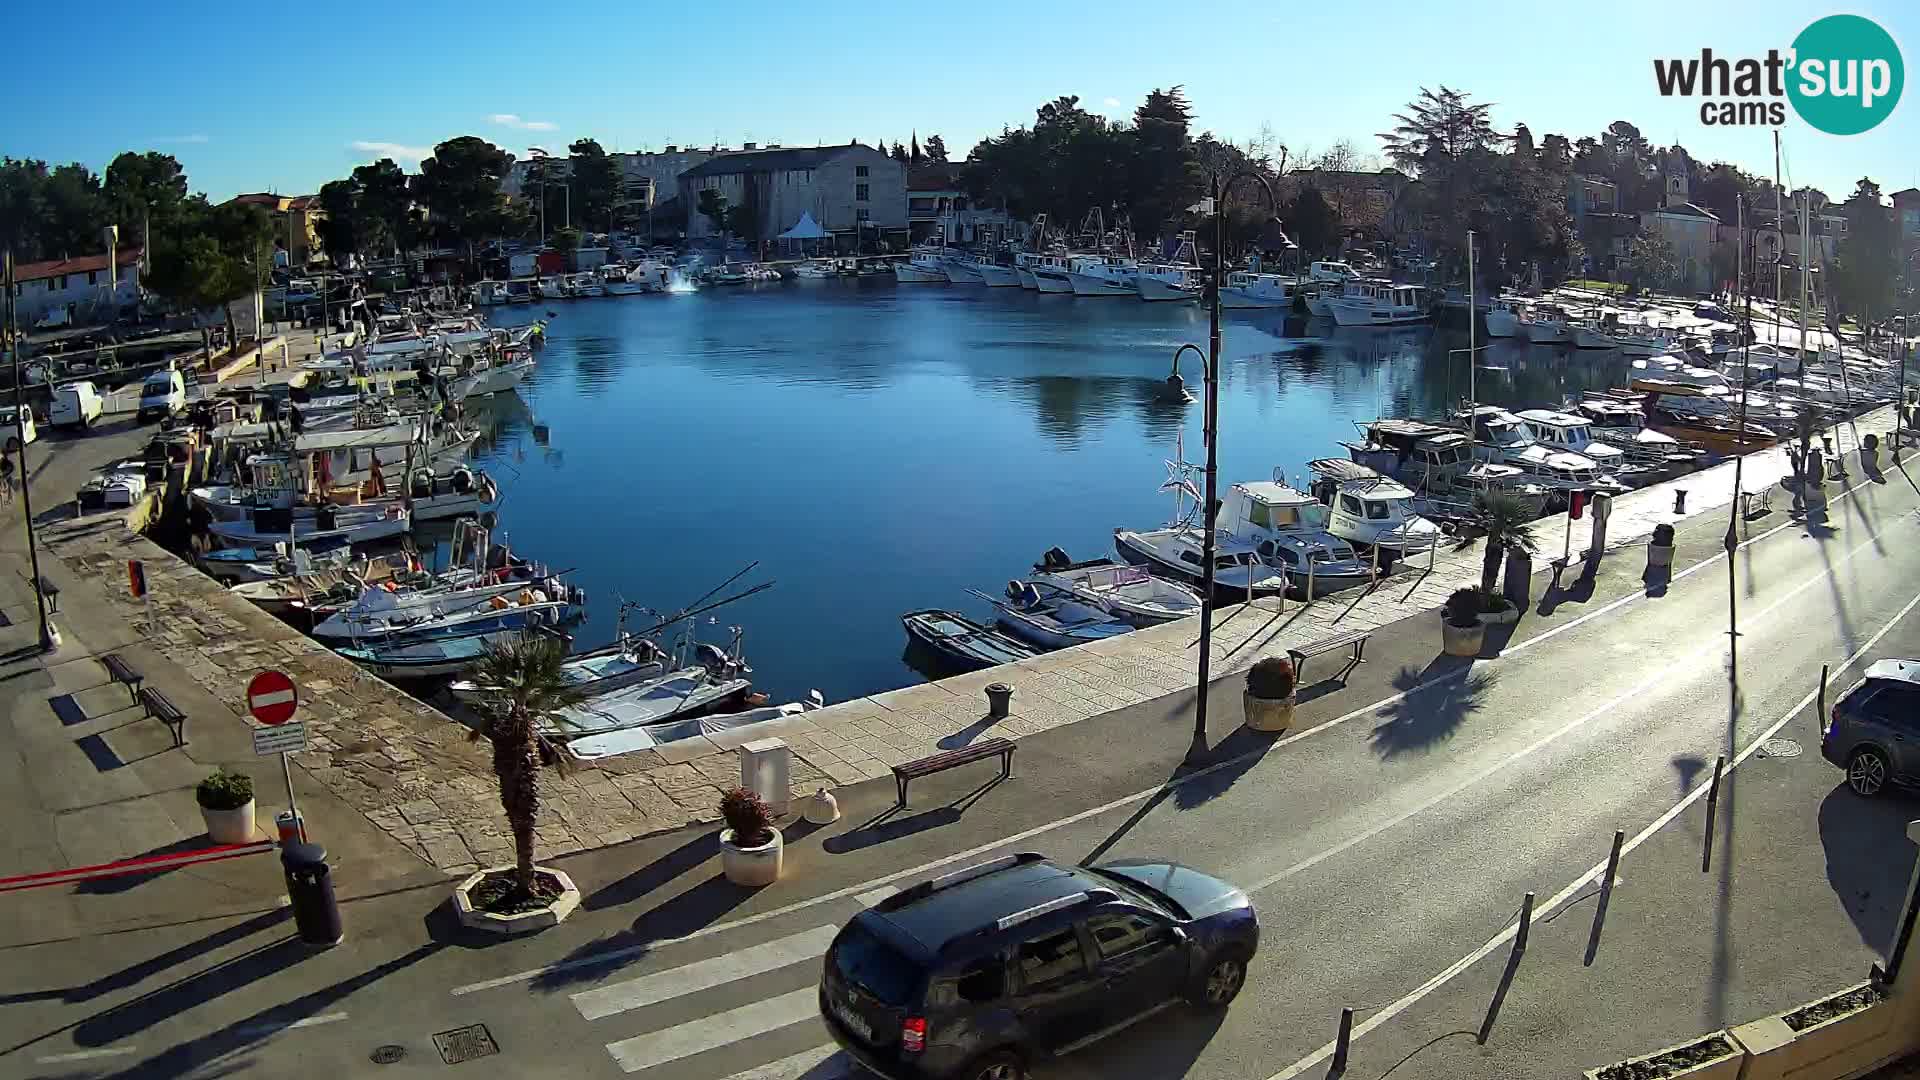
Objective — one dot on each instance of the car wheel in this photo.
(1220, 981)
(1867, 773)
(999, 1065)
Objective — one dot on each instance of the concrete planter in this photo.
(1842, 1045)
(1659, 556)
(1501, 618)
(1724, 1067)
(235, 826)
(525, 922)
(1462, 640)
(751, 866)
(1269, 714)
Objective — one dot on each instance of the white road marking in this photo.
(819, 1063)
(613, 956)
(271, 1027)
(88, 1055)
(868, 899)
(712, 1032)
(1453, 970)
(704, 975)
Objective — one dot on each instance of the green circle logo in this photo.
(1846, 74)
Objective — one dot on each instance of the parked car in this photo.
(16, 425)
(75, 404)
(983, 972)
(162, 395)
(1873, 731)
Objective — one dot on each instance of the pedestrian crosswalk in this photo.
(758, 1001)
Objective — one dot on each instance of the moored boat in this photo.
(960, 642)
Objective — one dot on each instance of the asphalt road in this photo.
(1383, 844)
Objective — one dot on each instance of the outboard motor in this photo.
(421, 483)
(712, 657)
(1055, 559)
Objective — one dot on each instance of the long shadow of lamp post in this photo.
(1218, 189)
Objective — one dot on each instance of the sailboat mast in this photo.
(1779, 226)
(1806, 274)
(1473, 315)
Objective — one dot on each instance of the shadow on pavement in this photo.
(1417, 722)
(966, 735)
(1193, 785)
(1165, 1048)
(677, 916)
(1861, 838)
(106, 886)
(655, 874)
(884, 826)
(134, 974)
(1579, 592)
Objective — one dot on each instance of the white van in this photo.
(164, 394)
(9, 432)
(75, 404)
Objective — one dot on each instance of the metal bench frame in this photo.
(118, 670)
(162, 708)
(951, 759)
(1356, 638)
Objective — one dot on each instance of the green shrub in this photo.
(225, 790)
(1463, 608)
(1271, 678)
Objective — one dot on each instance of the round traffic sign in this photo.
(271, 697)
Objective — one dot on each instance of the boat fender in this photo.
(1014, 592)
(463, 480)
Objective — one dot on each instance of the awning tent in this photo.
(804, 230)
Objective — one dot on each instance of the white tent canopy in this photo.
(805, 229)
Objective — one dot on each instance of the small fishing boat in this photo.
(1052, 618)
(314, 588)
(440, 610)
(347, 524)
(1130, 593)
(688, 691)
(960, 642)
(1371, 511)
(601, 671)
(426, 659)
(739, 727)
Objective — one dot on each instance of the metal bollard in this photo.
(999, 700)
(1606, 895)
(1713, 807)
(1526, 924)
(316, 913)
(1679, 500)
(1341, 1043)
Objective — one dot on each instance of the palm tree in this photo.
(528, 687)
(1504, 520)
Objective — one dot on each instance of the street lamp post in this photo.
(1198, 750)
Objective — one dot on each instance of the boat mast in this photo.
(1806, 272)
(1473, 314)
(1779, 226)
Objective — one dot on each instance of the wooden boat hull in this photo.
(960, 642)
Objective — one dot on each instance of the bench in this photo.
(1354, 639)
(165, 711)
(52, 592)
(1764, 497)
(927, 766)
(118, 670)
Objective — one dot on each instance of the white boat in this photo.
(1371, 510)
(1331, 273)
(1028, 264)
(1164, 281)
(315, 584)
(1503, 318)
(1390, 305)
(494, 378)
(1288, 529)
(1593, 334)
(1623, 423)
(1052, 618)
(817, 270)
(1642, 339)
(1102, 275)
(995, 275)
(650, 701)
(431, 497)
(1501, 438)
(1547, 325)
(736, 727)
(1558, 430)
(621, 281)
(962, 268)
(354, 525)
(1129, 593)
(924, 266)
(385, 609)
(631, 660)
(429, 659)
(1055, 275)
(490, 293)
(1245, 289)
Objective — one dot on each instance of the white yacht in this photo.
(1370, 510)
(1103, 275)
(1332, 273)
(1390, 305)
(1245, 289)
(1288, 529)
(1501, 438)
(963, 268)
(926, 265)
(1503, 318)
(1558, 430)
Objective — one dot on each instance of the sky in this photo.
(262, 97)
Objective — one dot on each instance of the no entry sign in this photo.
(271, 697)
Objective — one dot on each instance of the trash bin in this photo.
(316, 914)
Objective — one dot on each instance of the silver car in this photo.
(1873, 731)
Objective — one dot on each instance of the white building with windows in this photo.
(80, 289)
(852, 191)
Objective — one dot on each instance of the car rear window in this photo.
(874, 966)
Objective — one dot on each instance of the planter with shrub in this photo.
(1497, 610)
(1660, 548)
(1713, 1056)
(750, 847)
(1461, 632)
(226, 805)
(1269, 696)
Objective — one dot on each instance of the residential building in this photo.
(648, 175)
(851, 191)
(82, 288)
(937, 207)
(296, 221)
(1604, 230)
(1691, 230)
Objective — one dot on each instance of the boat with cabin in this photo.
(1247, 289)
(1178, 278)
(926, 265)
(1546, 324)
(1371, 511)
(1103, 275)
(1504, 316)
(1389, 305)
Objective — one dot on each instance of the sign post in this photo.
(272, 699)
(137, 583)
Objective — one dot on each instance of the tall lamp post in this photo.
(49, 635)
(1219, 190)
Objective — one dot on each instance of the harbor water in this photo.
(881, 448)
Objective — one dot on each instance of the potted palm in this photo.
(1270, 694)
(1503, 520)
(1461, 631)
(750, 847)
(1660, 547)
(226, 805)
(528, 687)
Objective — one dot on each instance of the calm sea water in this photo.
(882, 448)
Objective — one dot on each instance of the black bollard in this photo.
(1679, 500)
(316, 914)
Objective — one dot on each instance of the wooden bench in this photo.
(165, 711)
(118, 670)
(1354, 639)
(927, 766)
(1763, 497)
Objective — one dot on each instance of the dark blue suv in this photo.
(978, 974)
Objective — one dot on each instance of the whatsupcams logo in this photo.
(1843, 76)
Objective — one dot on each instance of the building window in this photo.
(859, 193)
(93, 277)
(56, 284)
(860, 214)
(859, 170)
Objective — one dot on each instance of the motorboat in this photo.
(1051, 618)
(1320, 301)
(496, 377)
(1623, 423)
(1390, 305)
(1332, 273)
(426, 659)
(1103, 275)
(1027, 263)
(1415, 452)
(1566, 431)
(1501, 438)
(1246, 289)
(1644, 339)
(1168, 281)
(1547, 325)
(1371, 511)
(1130, 593)
(960, 643)
(314, 587)
(1175, 552)
(1288, 530)
(349, 524)
(817, 270)
(431, 497)
(687, 691)
(736, 728)
(994, 274)
(1699, 414)
(963, 267)
(619, 280)
(1054, 274)
(627, 661)
(925, 266)
(519, 292)
(1503, 318)
(462, 615)
(1593, 333)
(390, 607)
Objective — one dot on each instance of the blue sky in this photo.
(277, 97)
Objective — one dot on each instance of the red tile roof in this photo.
(55, 267)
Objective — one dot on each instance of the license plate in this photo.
(853, 1022)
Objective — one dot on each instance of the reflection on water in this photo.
(883, 448)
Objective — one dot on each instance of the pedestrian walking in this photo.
(6, 480)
